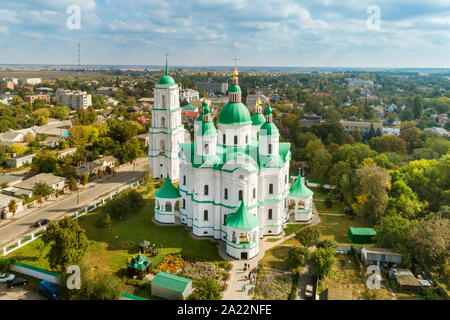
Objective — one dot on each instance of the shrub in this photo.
(328, 202)
(293, 293)
(124, 205)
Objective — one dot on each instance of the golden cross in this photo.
(235, 62)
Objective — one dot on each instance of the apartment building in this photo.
(31, 98)
(363, 127)
(74, 99)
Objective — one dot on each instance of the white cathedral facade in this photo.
(233, 181)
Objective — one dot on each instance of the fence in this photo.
(19, 243)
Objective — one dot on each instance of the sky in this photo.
(295, 33)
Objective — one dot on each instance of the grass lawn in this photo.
(276, 258)
(336, 228)
(110, 248)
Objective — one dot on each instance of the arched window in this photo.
(241, 195)
(206, 190)
(184, 203)
(224, 138)
(184, 180)
(168, 206)
(301, 204)
(246, 139)
(225, 194)
(269, 216)
(163, 122)
(271, 188)
(270, 148)
(162, 146)
(163, 101)
(206, 148)
(254, 193)
(285, 179)
(205, 215)
(235, 140)
(233, 238)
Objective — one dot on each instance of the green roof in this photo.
(234, 88)
(234, 113)
(258, 119)
(227, 153)
(189, 107)
(168, 190)
(269, 129)
(362, 231)
(200, 117)
(242, 219)
(299, 189)
(170, 281)
(268, 110)
(140, 263)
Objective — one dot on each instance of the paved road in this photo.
(59, 209)
(19, 293)
(305, 278)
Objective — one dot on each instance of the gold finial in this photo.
(235, 73)
(258, 103)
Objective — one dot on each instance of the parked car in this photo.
(41, 222)
(5, 277)
(309, 291)
(17, 281)
(48, 290)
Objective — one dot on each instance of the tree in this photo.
(206, 289)
(107, 222)
(45, 162)
(12, 207)
(60, 112)
(297, 256)
(308, 237)
(322, 261)
(68, 243)
(99, 174)
(72, 183)
(129, 151)
(327, 243)
(41, 116)
(101, 286)
(84, 179)
(393, 232)
(85, 117)
(391, 143)
(430, 241)
(124, 205)
(412, 136)
(18, 149)
(372, 192)
(418, 107)
(42, 189)
(80, 135)
(123, 130)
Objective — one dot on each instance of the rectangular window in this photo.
(205, 215)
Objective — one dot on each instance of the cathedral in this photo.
(233, 180)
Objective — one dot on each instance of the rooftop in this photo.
(170, 281)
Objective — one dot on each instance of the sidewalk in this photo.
(237, 275)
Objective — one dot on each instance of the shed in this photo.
(406, 280)
(380, 256)
(335, 293)
(361, 235)
(171, 287)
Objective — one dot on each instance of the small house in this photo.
(380, 256)
(171, 287)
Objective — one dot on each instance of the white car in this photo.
(5, 277)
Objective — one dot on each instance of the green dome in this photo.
(167, 191)
(207, 129)
(268, 110)
(234, 88)
(269, 129)
(234, 113)
(242, 219)
(299, 189)
(258, 119)
(199, 118)
(166, 80)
